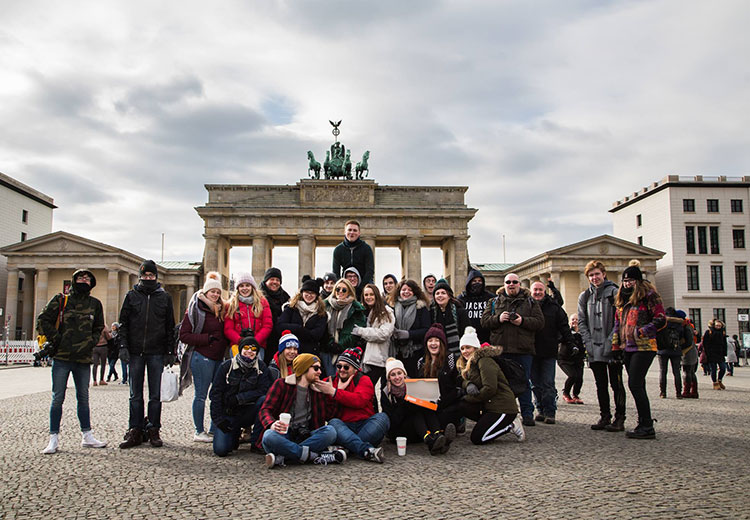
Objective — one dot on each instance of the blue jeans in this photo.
(60, 372)
(124, 367)
(543, 385)
(204, 370)
(227, 441)
(360, 436)
(527, 408)
(154, 363)
(326, 359)
(722, 368)
(317, 442)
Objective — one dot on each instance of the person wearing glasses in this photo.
(237, 394)
(301, 435)
(639, 314)
(513, 317)
(358, 428)
(344, 313)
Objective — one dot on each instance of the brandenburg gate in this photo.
(312, 213)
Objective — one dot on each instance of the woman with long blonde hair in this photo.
(344, 313)
(248, 309)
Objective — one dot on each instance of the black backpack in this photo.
(669, 338)
(514, 373)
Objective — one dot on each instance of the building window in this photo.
(690, 239)
(736, 205)
(692, 278)
(744, 325)
(740, 277)
(712, 205)
(702, 242)
(717, 278)
(20, 284)
(25, 216)
(640, 241)
(23, 236)
(695, 317)
(688, 205)
(713, 233)
(721, 315)
(638, 220)
(738, 238)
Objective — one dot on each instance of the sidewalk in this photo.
(19, 381)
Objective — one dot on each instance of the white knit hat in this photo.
(245, 278)
(213, 281)
(470, 338)
(392, 363)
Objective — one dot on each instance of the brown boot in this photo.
(716, 386)
(721, 385)
(132, 438)
(686, 390)
(154, 439)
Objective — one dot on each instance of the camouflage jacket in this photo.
(82, 324)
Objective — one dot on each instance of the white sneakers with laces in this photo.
(518, 430)
(202, 437)
(89, 441)
(54, 444)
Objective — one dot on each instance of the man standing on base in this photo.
(147, 344)
(354, 252)
(596, 321)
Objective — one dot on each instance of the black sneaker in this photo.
(618, 425)
(528, 421)
(549, 420)
(375, 455)
(539, 418)
(641, 433)
(602, 424)
(330, 457)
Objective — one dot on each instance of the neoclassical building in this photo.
(41, 267)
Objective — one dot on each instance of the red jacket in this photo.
(244, 318)
(355, 401)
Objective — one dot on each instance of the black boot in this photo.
(132, 438)
(154, 438)
(641, 432)
(618, 425)
(604, 421)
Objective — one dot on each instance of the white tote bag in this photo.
(170, 385)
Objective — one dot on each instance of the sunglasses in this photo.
(341, 289)
(343, 367)
(511, 282)
(250, 347)
(317, 368)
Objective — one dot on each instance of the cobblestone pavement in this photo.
(697, 467)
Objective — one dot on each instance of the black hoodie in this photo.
(474, 302)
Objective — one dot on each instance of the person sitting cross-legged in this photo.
(358, 428)
(237, 394)
(305, 437)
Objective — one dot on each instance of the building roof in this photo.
(27, 191)
(181, 265)
(487, 267)
(697, 181)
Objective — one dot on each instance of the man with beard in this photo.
(276, 297)
(72, 325)
(474, 299)
(147, 343)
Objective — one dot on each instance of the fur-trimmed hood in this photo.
(491, 351)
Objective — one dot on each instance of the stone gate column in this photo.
(124, 288)
(460, 263)
(27, 321)
(411, 258)
(42, 283)
(260, 255)
(211, 254)
(11, 302)
(113, 296)
(305, 257)
(449, 261)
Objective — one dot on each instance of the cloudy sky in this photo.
(548, 111)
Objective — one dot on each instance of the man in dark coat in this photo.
(354, 252)
(147, 343)
(474, 299)
(277, 297)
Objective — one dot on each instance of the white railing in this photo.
(17, 352)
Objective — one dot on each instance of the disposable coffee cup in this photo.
(401, 446)
(286, 418)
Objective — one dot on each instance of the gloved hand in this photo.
(124, 355)
(472, 389)
(169, 360)
(401, 334)
(550, 284)
(618, 356)
(224, 425)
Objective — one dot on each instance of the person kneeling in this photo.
(303, 435)
(237, 394)
(489, 400)
(414, 422)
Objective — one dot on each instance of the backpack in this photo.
(514, 373)
(669, 338)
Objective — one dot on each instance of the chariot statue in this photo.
(338, 161)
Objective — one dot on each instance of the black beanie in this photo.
(632, 273)
(271, 273)
(149, 266)
(312, 285)
(443, 284)
(329, 277)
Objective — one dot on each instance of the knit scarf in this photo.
(307, 311)
(195, 314)
(339, 312)
(397, 391)
(243, 364)
(406, 312)
(247, 300)
(451, 328)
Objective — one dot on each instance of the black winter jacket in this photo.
(357, 254)
(147, 321)
(310, 334)
(247, 385)
(555, 331)
(449, 381)
(474, 303)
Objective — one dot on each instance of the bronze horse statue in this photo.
(314, 166)
(362, 166)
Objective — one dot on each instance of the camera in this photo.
(298, 432)
(247, 332)
(512, 316)
(48, 350)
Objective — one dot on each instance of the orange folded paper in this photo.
(423, 392)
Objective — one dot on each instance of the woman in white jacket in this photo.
(377, 334)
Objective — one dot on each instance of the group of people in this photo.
(295, 377)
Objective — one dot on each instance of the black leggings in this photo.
(574, 371)
(689, 374)
(611, 373)
(490, 425)
(416, 425)
(637, 365)
(664, 362)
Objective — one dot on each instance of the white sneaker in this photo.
(89, 441)
(274, 460)
(54, 443)
(202, 437)
(518, 430)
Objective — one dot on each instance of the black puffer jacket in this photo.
(310, 334)
(247, 385)
(555, 331)
(147, 321)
